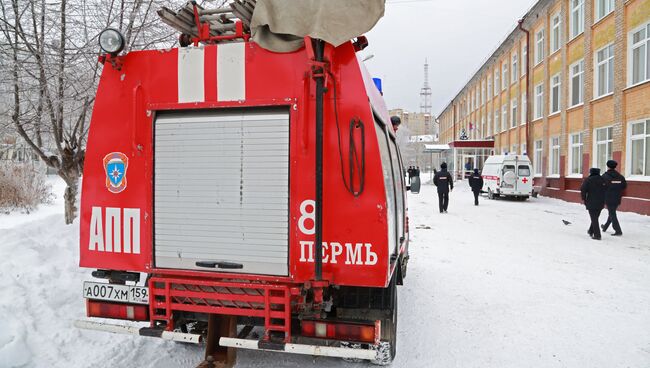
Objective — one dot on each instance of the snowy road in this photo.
(505, 284)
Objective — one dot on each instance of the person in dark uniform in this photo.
(616, 184)
(395, 122)
(411, 173)
(593, 195)
(444, 182)
(476, 183)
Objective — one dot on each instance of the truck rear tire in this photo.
(387, 349)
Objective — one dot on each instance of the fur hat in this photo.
(612, 164)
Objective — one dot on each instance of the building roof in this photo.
(421, 138)
(472, 144)
(435, 148)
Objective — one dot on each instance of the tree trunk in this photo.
(70, 197)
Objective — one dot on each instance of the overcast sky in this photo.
(456, 36)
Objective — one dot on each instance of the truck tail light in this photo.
(342, 331)
(95, 308)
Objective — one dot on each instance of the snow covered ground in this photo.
(505, 284)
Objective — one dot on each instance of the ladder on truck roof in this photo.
(197, 24)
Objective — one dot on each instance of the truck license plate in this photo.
(116, 293)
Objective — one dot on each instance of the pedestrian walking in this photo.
(395, 122)
(593, 195)
(445, 184)
(476, 183)
(616, 184)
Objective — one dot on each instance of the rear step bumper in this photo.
(328, 351)
(314, 350)
(139, 331)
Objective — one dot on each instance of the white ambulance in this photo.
(508, 176)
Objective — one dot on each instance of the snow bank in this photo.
(505, 284)
(13, 219)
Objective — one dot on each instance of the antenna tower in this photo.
(425, 97)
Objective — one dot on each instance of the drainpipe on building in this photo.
(521, 27)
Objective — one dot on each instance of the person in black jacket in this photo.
(444, 182)
(593, 195)
(616, 184)
(476, 183)
(395, 122)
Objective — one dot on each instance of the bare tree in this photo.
(51, 50)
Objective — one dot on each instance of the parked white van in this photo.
(508, 176)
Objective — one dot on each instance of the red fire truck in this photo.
(229, 189)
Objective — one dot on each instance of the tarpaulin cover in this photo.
(281, 25)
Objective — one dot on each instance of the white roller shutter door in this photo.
(222, 190)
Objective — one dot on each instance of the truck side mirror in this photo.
(415, 185)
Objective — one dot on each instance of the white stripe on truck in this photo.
(231, 72)
(191, 75)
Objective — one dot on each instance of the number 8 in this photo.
(304, 216)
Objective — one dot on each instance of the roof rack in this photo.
(199, 25)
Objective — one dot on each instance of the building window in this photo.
(556, 40)
(483, 92)
(539, 46)
(554, 159)
(577, 82)
(482, 131)
(603, 7)
(639, 50)
(604, 71)
(575, 154)
(497, 124)
(504, 76)
(577, 17)
(514, 115)
(539, 101)
(555, 93)
(513, 150)
(523, 149)
(496, 81)
(524, 59)
(515, 68)
(640, 152)
(604, 143)
(504, 118)
(524, 109)
(489, 87)
(538, 157)
(489, 124)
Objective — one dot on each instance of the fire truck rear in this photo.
(243, 198)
